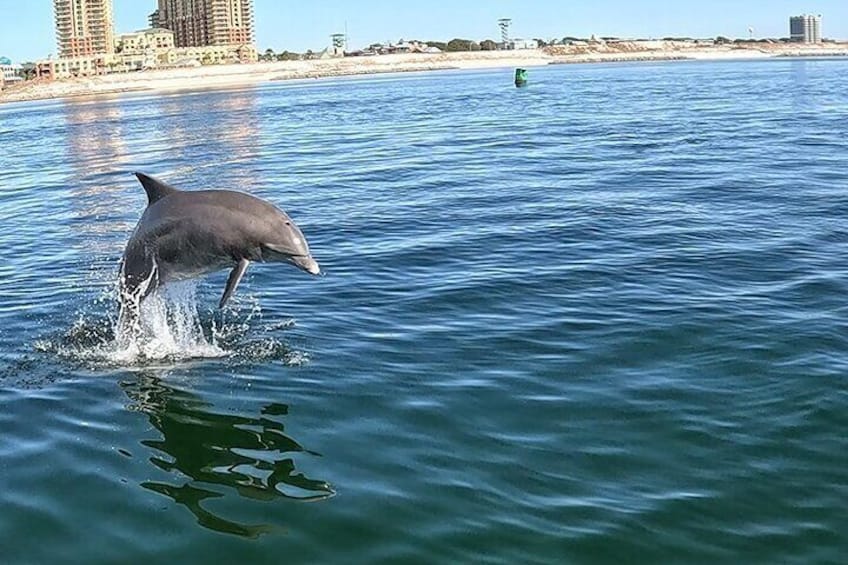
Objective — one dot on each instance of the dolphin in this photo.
(187, 234)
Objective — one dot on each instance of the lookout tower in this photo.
(504, 24)
(339, 43)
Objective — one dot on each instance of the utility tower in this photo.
(504, 24)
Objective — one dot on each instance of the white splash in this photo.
(168, 327)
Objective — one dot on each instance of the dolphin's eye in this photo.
(288, 223)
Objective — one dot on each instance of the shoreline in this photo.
(230, 76)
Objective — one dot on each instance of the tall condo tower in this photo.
(198, 23)
(805, 28)
(84, 27)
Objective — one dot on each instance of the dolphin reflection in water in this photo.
(211, 453)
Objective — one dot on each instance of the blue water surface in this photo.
(600, 319)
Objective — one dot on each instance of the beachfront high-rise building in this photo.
(197, 23)
(805, 29)
(84, 27)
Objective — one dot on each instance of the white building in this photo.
(9, 73)
(523, 44)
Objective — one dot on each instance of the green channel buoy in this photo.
(520, 77)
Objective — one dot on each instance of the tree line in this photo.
(459, 44)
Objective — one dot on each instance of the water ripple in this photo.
(597, 318)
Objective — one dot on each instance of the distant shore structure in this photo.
(518, 43)
(84, 27)
(504, 24)
(805, 28)
(339, 44)
(183, 33)
(9, 73)
(212, 22)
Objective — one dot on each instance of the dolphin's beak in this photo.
(307, 263)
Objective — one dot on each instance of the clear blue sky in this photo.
(26, 26)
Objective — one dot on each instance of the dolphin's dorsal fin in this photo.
(155, 189)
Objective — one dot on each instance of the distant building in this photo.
(198, 23)
(198, 32)
(84, 27)
(403, 47)
(144, 41)
(9, 73)
(212, 55)
(153, 18)
(144, 49)
(73, 66)
(805, 29)
(523, 44)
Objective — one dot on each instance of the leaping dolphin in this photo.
(186, 234)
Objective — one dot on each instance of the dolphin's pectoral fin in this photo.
(233, 281)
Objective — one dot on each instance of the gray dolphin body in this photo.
(187, 234)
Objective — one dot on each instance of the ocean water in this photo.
(601, 319)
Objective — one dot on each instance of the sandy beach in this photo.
(224, 76)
